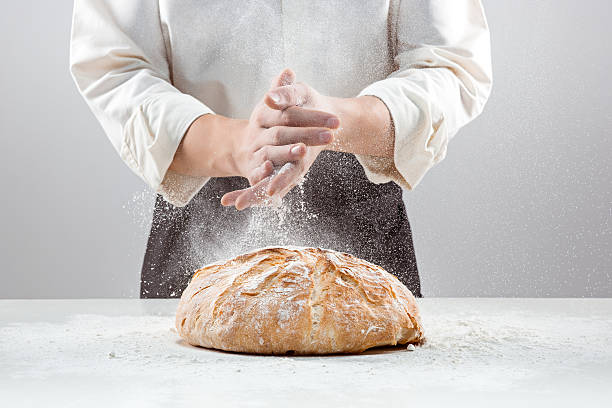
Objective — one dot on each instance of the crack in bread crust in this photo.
(316, 309)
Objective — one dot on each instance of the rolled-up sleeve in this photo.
(118, 61)
(442, 82)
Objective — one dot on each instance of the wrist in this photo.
(237, 131)
(226, 152)
(363, 120)
(349, 111)
(207, 149)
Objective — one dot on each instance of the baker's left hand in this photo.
(272, 188)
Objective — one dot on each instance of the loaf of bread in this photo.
(297, 300)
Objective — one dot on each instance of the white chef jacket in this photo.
(148, 69)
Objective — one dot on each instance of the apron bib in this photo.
(336, 207)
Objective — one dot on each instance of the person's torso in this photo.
(226, 53)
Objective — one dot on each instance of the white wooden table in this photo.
(125, 353)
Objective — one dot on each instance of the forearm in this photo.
(365, 126)
(207, 149)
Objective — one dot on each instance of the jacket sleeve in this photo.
(118, 61)
(442, 81)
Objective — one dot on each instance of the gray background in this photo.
(521, 206)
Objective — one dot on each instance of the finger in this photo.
(296, 116)
(247, 197)
(288, 176)
(285, 96)
(261, 172)
(254, 195)
(287, 77)
(230, 198)
(279, 155)
(302, 117)
(285, 135)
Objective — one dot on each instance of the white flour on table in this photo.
(487, 351)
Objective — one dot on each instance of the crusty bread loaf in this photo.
(297, 300)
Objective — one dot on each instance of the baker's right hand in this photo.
(263, 146)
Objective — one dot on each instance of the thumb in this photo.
(287, 77)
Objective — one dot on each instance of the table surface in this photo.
(126, 352)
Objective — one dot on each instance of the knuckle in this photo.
(286, 117)
(255, 158)
(260, 120)
(261, 155)
(313, 134)
(302, 166)
(293, 93)
(275, 135)
(257, 116)
(304, 91)
(286, 92)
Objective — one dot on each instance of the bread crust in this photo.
(297, 300)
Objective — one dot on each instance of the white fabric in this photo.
(149, 68)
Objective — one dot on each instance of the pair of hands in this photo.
(287, 130)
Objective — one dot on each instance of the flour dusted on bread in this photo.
(297, 300)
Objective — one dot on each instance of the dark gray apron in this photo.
(336, 207)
